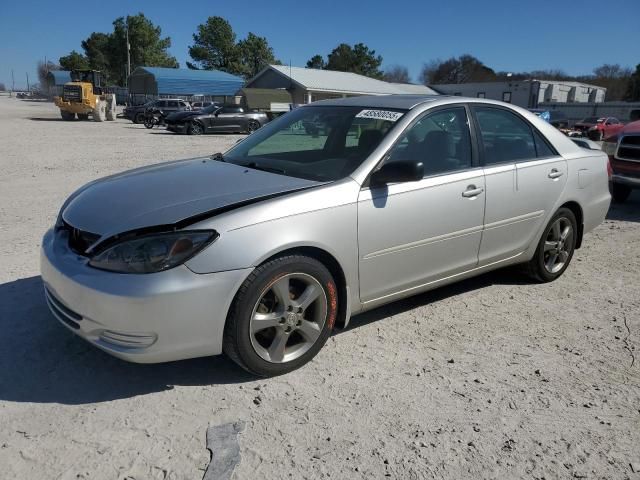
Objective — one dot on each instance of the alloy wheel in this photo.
(558, 245)
(288, 318)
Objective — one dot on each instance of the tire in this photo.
(68, 116)
(620, 193)
(83, 116)
(100, 112)
(149, 122)
(253, 343)
(111, 108)
(195, 128)
(252, 126)
(138, 118)
(538, 267)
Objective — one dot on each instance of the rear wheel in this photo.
(195, 128)
(252, 126)
(67, 115)
(620, 193)
(282, 316)
(139, 118)
(555, 248)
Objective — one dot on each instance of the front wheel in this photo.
(282, 316)
(68, 116)
(195, 128)
(149, 122)
(555, 248)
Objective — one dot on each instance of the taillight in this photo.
(609, 168)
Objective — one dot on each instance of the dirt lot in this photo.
(491, 378)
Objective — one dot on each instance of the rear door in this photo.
(229, 119)
(524, 177)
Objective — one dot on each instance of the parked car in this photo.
(262, 251)
(201, 105)
(623, 149)
(599, 128)
(167, 106)
(215, 119)
(554, 117)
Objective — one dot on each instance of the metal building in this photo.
(183, 82)
(308, 85)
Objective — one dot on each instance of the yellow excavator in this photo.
(84, 96)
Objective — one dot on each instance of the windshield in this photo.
(209, 109)
(316, 143)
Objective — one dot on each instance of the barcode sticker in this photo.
(380, 115)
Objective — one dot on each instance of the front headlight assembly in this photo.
(153, 252)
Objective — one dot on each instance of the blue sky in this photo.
(506, 35)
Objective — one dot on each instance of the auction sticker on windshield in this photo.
(380, 115)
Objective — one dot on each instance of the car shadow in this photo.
(628, 211)
(504, 276)
(45, 119)
(43, 362)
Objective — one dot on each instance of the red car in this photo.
(623, 149)
(599, 128)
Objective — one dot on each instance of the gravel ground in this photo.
(494, 377)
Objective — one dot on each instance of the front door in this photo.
(524, 176)
(412, 234)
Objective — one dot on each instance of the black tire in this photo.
(536, 268)
(138, 118)
(67, 116)
(149, 122)
(620, 193)
(252, 126)
(237, 340)
(83, 116)
(195, 128)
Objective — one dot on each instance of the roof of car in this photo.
(382, 101)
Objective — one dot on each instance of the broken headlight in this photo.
(152, 253)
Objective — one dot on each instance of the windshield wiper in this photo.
(217, 157)
(255, 166)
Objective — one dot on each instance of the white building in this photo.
(308, 85)
(527, 93)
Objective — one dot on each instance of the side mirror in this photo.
(398, 172)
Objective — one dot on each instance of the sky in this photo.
(508, 35)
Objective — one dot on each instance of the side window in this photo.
(505, 136)
(161, 103)
(231, 110)
(173, 104)
(542, 147)
(440, 140)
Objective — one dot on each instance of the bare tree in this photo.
(396, 74)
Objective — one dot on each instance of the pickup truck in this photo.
(623, 149)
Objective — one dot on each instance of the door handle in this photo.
(555, 174)
(472, 191)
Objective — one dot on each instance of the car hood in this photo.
(169, 194)
(178, 116)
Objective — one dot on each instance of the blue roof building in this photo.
(183, 82)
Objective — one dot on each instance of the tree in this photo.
(254, 54)
(358, 59)
(633, 88)
(613, 77)
(396, 74)
(317, 62)
(463, 69)
(107, 52)
(214, 46)
(74, 61)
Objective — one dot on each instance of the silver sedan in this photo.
(333, 209)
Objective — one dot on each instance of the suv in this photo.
(166, 105)
(623, 149)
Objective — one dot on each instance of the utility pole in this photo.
(128, 54)
(28, 87)
(13, 82)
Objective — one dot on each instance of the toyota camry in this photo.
(261, 251)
